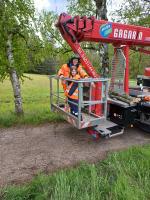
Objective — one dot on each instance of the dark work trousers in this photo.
(73, 107)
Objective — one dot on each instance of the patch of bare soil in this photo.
(25, 151)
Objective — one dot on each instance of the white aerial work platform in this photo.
(86, 116)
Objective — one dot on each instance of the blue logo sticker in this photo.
(105, 30)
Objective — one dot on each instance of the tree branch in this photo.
(84, 48)
(53, 36)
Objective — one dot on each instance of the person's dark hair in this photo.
(70, 63)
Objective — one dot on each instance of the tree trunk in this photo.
(101, 13)
(14, 78)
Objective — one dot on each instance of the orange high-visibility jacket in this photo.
(65, 71)
(73, 95)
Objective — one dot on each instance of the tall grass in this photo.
(36, 102)
(122, 176)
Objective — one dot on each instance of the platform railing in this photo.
(86, 116)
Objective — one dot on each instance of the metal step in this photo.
(109, 129)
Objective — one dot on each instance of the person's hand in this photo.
(93, 84)
(61, 76)
(64, 82)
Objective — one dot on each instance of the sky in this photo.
(59, 6)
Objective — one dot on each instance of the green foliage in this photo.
(123, 176)
(81, 7)
(33, 36)
(36, 100)
(135, 12)
(16, 19)
(48, 34)
(54, 46)
(138, 62)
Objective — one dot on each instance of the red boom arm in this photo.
(78, 29)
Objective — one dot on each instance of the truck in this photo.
(112, 105)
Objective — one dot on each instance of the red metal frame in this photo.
(126, 78)
(77, 29)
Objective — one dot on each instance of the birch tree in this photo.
(101, 13)
(16, 31)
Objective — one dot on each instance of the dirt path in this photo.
(25, 151)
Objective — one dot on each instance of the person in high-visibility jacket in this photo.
(72, 91)
(65, 70)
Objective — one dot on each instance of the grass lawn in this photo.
(133, 82)
(36, 102)
(122, 176)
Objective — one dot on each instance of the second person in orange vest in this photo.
(72, 91)
(65, 70)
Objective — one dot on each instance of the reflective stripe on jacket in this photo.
(72, 88)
